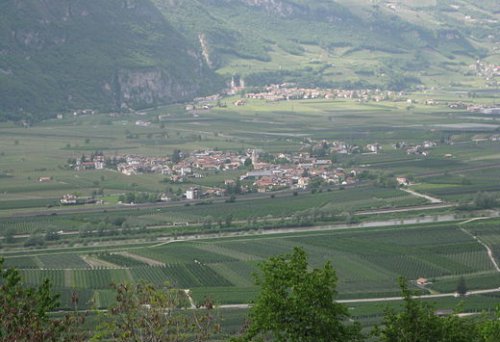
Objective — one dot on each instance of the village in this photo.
(284, 92)
(290, 91)
(257, 171)
(487, 71)
(264, 171)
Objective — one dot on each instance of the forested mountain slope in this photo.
(74, 54)
(58, 55)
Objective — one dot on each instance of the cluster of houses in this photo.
(295, 171)
(80, 112)
(186, 165)
(310, 166)
(69, 199)
(143, 123)
(283, 92)
(339, 147)
(298, 176)
(487, 70)
(275, 171)
(475, 108)
(72, 199)
(95, 161)
(419, 149)
(135, 164)
(204, 103)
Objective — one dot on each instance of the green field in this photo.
(86, 248)
(410, 78)
(368, 261)
(26, 154)
(42, 151)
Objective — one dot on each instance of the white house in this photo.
(192, 193)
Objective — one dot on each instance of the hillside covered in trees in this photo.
(117, 55)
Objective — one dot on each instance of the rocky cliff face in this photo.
(65, 54)
(146, 88)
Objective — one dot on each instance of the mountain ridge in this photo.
(261, 29)
(120, 55)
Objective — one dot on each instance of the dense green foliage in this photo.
(25, 311)
(295, 304)
(147, 313)
(59, 56)
(418, 322)
(118, 54)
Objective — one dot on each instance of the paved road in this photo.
(207, 236)
(440, 295)
(476, 238)
(192, 305)
(381, 299)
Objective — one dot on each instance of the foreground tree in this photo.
(144, 312)
(490, 329)
(24, 312)
(295, 304)
(298, 305)
(419, 323)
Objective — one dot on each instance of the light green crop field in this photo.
(110, 243)
(367, 261)
(26, 154)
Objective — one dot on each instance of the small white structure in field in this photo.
(192, 193)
